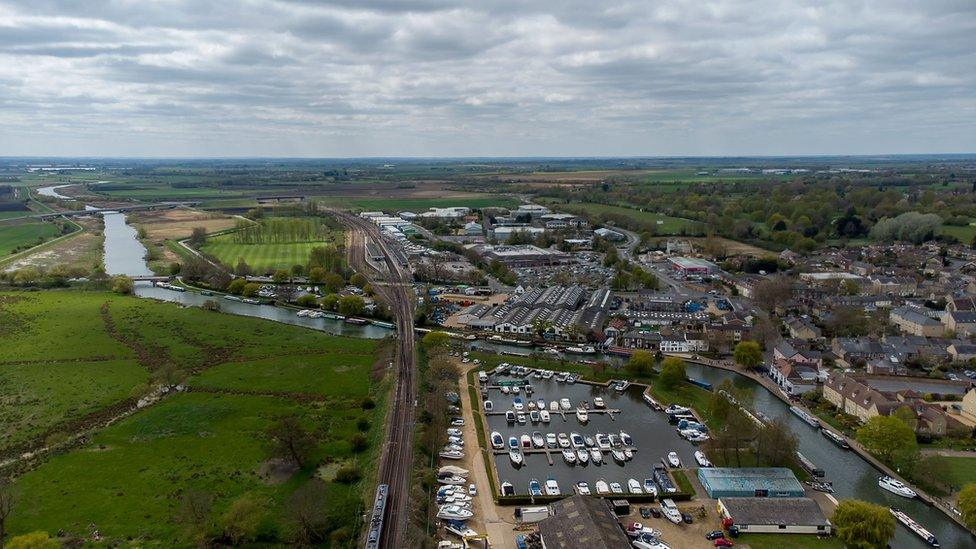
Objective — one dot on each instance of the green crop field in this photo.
(260, 257)
(24, 234)
(422, 204)
(69, 354)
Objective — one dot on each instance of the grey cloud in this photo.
(487, 77)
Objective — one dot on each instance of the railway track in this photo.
(397, 457)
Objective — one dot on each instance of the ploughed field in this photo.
(73, 359)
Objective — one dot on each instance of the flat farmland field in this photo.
(661, 224)
(260, 257)
(26, 233)
(242, 375)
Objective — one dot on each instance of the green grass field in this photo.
(418, 205)
(647, 220)
(70, 353)
(24, 234)
(959, 471)
(9, 214)
(964, 233)
(260, 257)
(793, 541)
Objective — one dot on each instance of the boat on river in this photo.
(805, 417)
(915, 527)
(896, 487)
(839, 440)
(581, 350)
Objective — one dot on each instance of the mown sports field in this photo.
(130, 480)
(260, 257)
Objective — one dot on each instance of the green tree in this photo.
(280, 276)
(748, 354)
(641, 363)
(967, 504)
(305, 511)
(240, 523)
(776, 444)
(297, 269)
(890, 439)
(672, 372)
(351, 305)
(198, 237)
(435, 342)
(289, 440)
(333, 282)
(357, 280)
(330, 302)
(242, 268)
(122, 284)
(236, 286)
(251, 289)
(317, 275)
(863, 525)
(307, 300)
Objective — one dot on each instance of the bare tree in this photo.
(290, 440)
(305, 510)
(7, 502)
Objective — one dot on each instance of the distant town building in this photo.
(912, 321)
(689, 267)
(610, 234)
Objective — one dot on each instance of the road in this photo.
(397, 456)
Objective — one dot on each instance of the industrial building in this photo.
(504, 233)
(579, 521)
(690, 267)
(748, 482)
(775, 516)
(523, 256)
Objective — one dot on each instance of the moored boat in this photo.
(551, 440)
(569, 456)
(534, 416)
(525, 441)
(616, 488)
(649, 487)
(552, 487)
(618, 456)
(598, 402)
(915, 527)
(625, 439)
(577, 440)
(563, 440)
(582, 488)
(596, 456)
(634, 487)
(489, 405)
(839, 440)
(497, 442)
(535, 489)
(582, 415)
(516, 457)
(565, 404)
(673, 460)
(507, 488)
(702, 459)
(544, 416)
(455, 512)
(807, 418)
(896, 487)
(510, 416)
(602, 487)
(671, 511)
(582, 456)
(538, 440)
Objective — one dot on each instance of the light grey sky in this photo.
(486, 77)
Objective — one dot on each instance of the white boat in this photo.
(303, 312)
(516, 457)
(510, 416)
(516, 389)
(554, 406)
(563, 440)
(671, 511)
(517, 404)
(532, 405)
(581, 350)
(534, 416)
(701, 459)
(673, 460)
(565, 404)
(569, 456)
(506, 390)
(497, 442)
(603, 442)
(616, 488)
(552, 487)
(453, 480)
(535, 489)
(453, 470)
(460, 530)
(582, 488)
(602, 487)
(520, 417)
(507, 488)
(525, 441)
(452, 454)
(628, 454)
(675, 409)
(634, 487)
(618, 456)
(625, 439)
(807, 418)
(489, 405)
(454, 512)
(582, 415)
(598, 402)
(577, 440)
(538, 440)
(544, 416)
(551, 440)
(582, 456)
(590, 441)
(540, 404)
(896, 487)
(649, 487)
(915, 527)
(596, 456)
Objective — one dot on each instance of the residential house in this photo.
(650, 341)
(913, 321)
(904, 286)
(794, 378)
(856, 398)
(859, 349)
(962, 323)
(962, 352)
(802, 328)
(794, 353)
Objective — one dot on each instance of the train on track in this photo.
(376, 520)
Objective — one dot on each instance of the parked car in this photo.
(723, 542)
(687, 518)
(645, 512)
(715, 534)
(472, 490)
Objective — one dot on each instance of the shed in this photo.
(579, 521)
(747, 482)
(781, 515)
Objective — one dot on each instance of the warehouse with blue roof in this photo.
(729, 482)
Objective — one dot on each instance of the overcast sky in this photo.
(486, 77)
